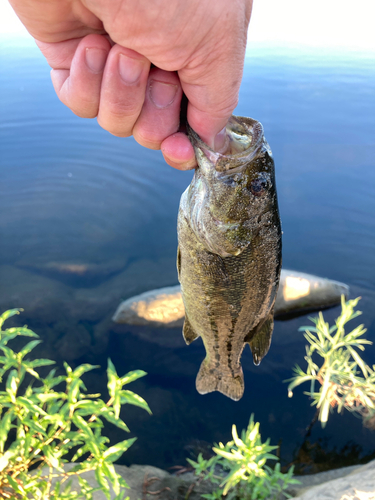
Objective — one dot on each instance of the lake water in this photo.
(73, 195)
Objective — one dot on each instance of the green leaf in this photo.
(5, 425)
(29, 347)
(84, 368)
(133, 399)
(21, 331)
(131, 376)
(110, 417)
(8, 314)
(110, 473)
(358, 360)
(35, 426)
(115, 452)
(52, 458)
(90, 438)
(102, 481)
(41, 362)
(6, 457)
(51, 396)
(12, 384)
(112, 379)
(29, 405)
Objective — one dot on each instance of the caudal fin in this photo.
(210, 379)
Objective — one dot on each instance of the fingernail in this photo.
(162, 94)
(95, 59)
(130, 69)
(221, 141)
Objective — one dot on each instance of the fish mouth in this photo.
(244, 137)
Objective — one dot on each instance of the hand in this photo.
(101, 53)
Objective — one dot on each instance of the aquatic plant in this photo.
(239, 468)
(44, 420)
(346, 381)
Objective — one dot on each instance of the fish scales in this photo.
(229, 255)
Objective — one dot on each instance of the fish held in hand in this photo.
(229, 254)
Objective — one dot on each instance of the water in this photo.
(73, 195)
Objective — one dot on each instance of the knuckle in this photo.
(114, 127)
(121, 108)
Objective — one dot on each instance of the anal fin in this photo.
(188, 332)
(259, 339)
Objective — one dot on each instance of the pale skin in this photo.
(129, 62)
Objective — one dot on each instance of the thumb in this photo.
(212, 88)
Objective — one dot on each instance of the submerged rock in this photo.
(298, 293)
(75, 272)
(161, 307)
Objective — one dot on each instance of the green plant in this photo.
(248, 477)
(40, 426)
(346, 381)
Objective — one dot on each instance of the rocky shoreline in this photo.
(146, 482)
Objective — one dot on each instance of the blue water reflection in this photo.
(73, 195)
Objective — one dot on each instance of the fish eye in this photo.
(258, 186)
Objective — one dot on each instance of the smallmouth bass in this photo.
(229, 254)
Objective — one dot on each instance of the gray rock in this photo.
(146, 482)
(357, 485)
(310, 480)
(298, 292)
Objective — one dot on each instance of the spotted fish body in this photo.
(229, 255)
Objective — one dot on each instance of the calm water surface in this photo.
(72, 194)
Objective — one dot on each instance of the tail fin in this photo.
(210, 379)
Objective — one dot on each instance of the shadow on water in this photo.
(88, 220)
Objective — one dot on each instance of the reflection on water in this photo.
(88, 219)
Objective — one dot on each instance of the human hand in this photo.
(101, 54)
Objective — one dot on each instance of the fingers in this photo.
(212, 99)
(160, 116)
(79, 85)
(211, 79)
(178, 152)
(123, 90)
(116, 85)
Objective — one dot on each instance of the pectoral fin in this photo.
(188, 332)
(259, 339)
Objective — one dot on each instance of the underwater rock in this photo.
(37, 295)
(298, 293)
(301, 292)
(77, 273)
(161, 307)
(74, 343)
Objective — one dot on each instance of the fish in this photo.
(229, 254)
